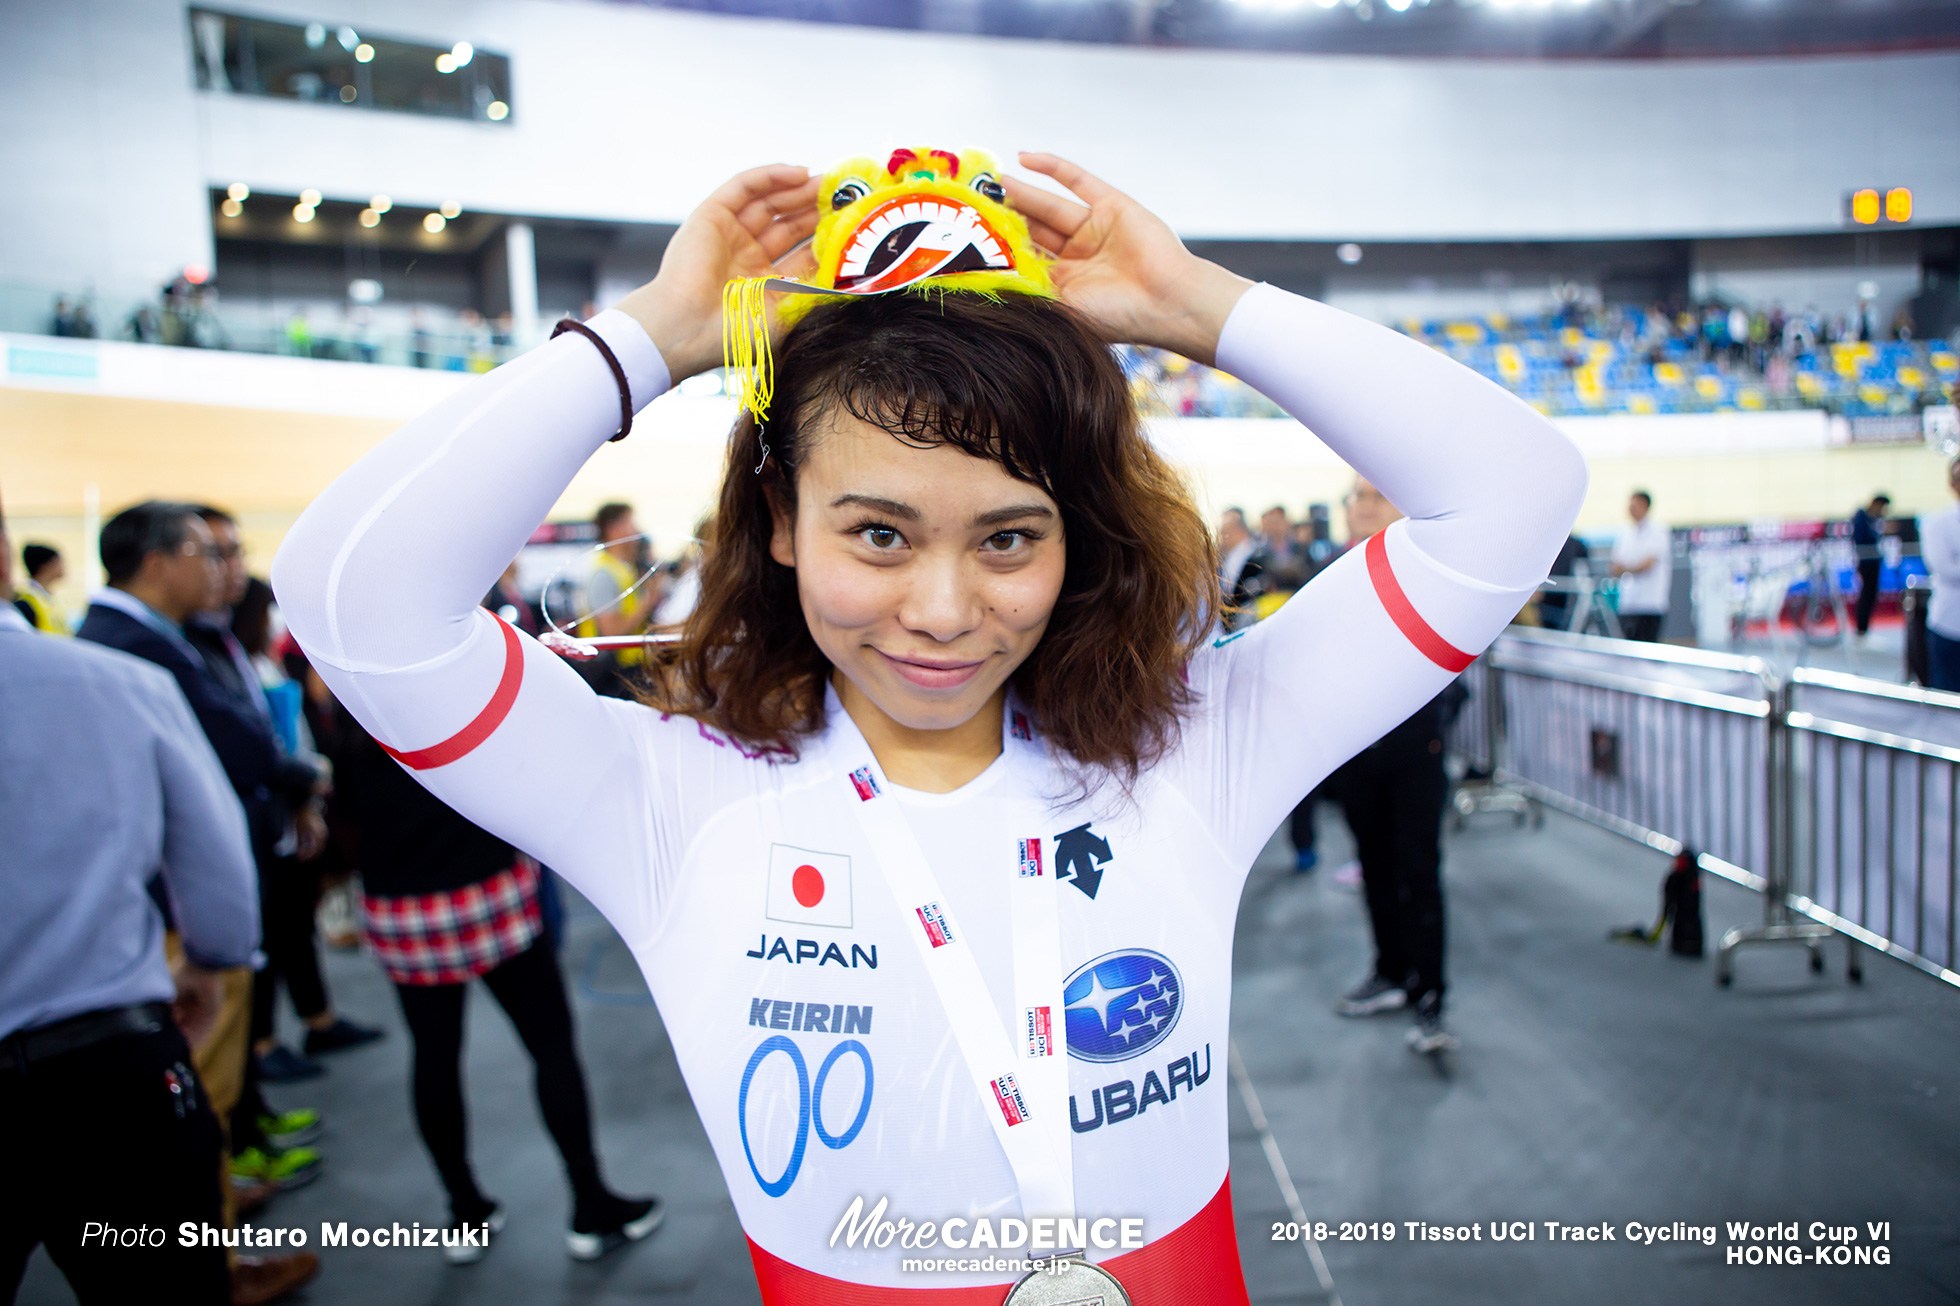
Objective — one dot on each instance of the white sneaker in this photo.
(472, 1242)
(1428, 1034)
(1371, 997)
(639, 1217)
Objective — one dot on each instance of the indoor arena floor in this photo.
(1597, 1081)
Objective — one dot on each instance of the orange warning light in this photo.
(1898, 204)
(1864, 207)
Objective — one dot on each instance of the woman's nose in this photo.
(941, 601)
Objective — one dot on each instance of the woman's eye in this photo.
(1008, 542)
(879, 537)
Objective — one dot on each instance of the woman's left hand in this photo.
(1118, 264)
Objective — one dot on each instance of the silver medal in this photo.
(1068, 1281)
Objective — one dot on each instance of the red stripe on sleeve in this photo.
(1403, 613)
(486, 721)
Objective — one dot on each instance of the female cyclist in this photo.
(930, 833)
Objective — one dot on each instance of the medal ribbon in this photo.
(1020, 1075)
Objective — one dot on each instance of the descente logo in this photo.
(860, 1228)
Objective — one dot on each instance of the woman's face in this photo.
(927, 576)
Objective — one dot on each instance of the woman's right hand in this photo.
(741, 230)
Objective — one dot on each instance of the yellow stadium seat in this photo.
(1510, 363)
(1708, 387)
(1640, 404)
(1850, 358)
(1945, 361)
(1750, 399)
(1669, 373)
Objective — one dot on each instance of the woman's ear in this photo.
(782, 533)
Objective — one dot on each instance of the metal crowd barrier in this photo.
(1874, 771)
(1835, 796)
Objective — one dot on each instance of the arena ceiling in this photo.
(1478, 28)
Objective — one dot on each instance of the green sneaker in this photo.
(283, 1170)
(291, 1129)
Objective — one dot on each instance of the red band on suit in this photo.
(1195, 1264)
(486, 722)
(1403, 613)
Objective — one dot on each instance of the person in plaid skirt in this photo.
(444, 903)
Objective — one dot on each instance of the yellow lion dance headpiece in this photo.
(924, 220)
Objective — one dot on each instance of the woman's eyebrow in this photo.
(905, 511)
(890, 507)
(1016, 512)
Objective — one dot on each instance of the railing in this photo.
(1875, 775)
(199, 319)
(1836, 796)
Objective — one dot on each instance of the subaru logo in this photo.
(1121, 1005)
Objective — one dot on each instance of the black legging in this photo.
(1300, 825)
(532, 993)
(289, 895)
(1393, 795)
(1868, 573)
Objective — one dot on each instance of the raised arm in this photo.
(381, 578)
(1490, 489)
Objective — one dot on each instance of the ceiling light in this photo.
(231, 208)
(451, 210)
(1349, 253)
(348, 94)
(381, 204)
(348, 40)
(364, 53)
(316, 35)
(310, 198)
(434, 223)
(462, 52)
(369, 218)
(239, 191)
(1400, 6)
(445, 62)
(302, 213)
(496, 111)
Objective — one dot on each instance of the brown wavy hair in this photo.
(1021, 381)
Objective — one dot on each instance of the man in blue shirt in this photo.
(106, 785)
